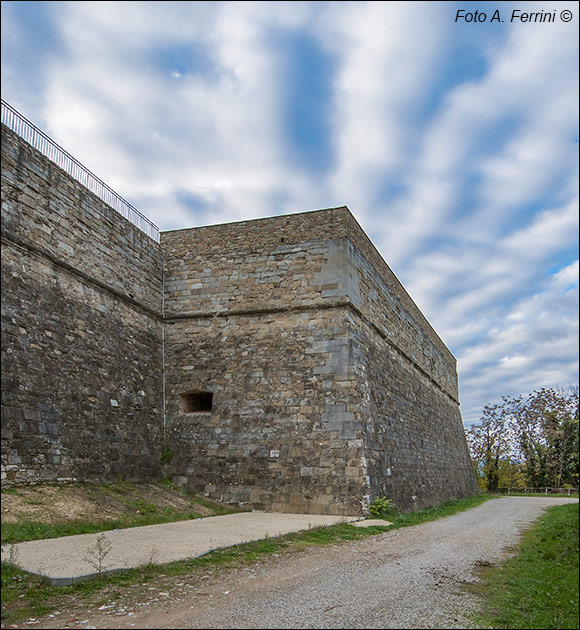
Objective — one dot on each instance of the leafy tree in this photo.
(511, 474)
(546, 424)
(529, 439)
(490, 443)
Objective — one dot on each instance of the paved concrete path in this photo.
(74, 558)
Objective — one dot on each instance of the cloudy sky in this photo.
(454, 143)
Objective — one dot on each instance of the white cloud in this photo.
(534, 344)
(214, 135)
(498, 141)
(382, 79)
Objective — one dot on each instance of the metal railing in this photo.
(531, 490)
(40, 141)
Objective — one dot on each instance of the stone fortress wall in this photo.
(279, 361)
(81, 330)
(329, 386)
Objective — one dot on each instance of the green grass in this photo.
(24, 595)
(537, 588)
(142, 513)
(33, 530)
(438, 511)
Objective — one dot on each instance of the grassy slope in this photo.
(137, 510)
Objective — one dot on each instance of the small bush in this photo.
(381, 506)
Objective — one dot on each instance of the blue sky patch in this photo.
(183, 60)
(307, 73)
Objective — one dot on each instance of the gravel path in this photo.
(407, 578)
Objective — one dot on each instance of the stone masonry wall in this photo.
(281, 434)
(252, 316)
(251, 265)
(414, 443)
(306, 338)
(81, 330)
(415, 450)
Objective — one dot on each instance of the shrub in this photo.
(381, 506)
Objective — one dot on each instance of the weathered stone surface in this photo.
(276, 363)
(314, 351)
(75, 335)
(265, 443)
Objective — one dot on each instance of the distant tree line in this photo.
(528, 441)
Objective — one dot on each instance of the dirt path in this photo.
(407, 578)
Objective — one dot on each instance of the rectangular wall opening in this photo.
(196, 402)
